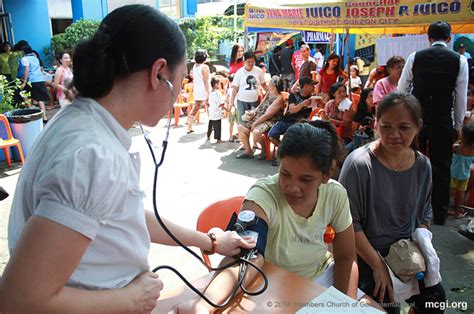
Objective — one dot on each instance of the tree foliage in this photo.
(73, 34)
(207, 32)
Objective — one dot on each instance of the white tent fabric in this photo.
(401, 46)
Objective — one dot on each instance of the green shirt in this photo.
(13, 60)
(4, 65)
(294, 242)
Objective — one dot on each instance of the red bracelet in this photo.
(213, 238)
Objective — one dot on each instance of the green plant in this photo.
(7, 92)
(207, 32)
(73, 34)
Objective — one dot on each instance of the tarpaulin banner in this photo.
(266, 41)
(370, 16)
(311, 37)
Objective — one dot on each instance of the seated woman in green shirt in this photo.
(297, 204)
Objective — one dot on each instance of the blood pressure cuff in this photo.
(259, 226)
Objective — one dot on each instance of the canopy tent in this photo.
(360, 16)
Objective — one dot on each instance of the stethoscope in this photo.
(242, 261)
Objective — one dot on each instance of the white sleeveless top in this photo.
(199, 84)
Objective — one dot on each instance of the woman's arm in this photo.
(345, 76)
(426, 212)
(235, 90)
(43, 261)
(26, 75)
(272, 110)
(57, 80)
(228, 243)
(224, 282)
(346, 273)
(205, 78)
(383, 283)
(370, 79)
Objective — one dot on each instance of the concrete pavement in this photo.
(196, 173)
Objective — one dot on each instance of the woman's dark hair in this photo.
(468, 134)
(334, 88)
(362, 108)
(26, 49)
(439, 30)
(233, 54)
(278, 83)
(19, 45)
(393, 61)
(408, 101)
(4, 45)
(60, 55)
(129, 39)
(200, 56)
(331, 57)
(339, 150)
(189, 78)
(317, 143)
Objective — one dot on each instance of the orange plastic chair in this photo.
(218, 215)
(10, 142)
(269, 153)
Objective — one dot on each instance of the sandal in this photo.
(261, 157)
(462, 229)
(190, 131)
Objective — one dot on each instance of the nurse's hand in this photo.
(144, 292)
(229, 243)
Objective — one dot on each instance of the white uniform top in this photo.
(199, 84)
(79, 174)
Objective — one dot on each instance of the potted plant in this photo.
(7, 93)
(25, 123)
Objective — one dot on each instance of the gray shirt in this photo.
(386, 205)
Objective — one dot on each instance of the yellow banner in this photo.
(363, 16)
(365, 40)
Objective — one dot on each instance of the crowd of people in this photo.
(305, 88)
(95, 233)
(23, 63)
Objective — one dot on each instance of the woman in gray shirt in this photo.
(389, 187)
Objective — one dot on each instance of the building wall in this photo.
(89, 9)
(60, 9)
(30, 19)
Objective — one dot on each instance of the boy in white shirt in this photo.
(216, 105)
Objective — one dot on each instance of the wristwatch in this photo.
(213, 238)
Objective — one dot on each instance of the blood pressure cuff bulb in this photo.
(259, 226)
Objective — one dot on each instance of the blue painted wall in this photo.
(89, 9)
(31, 22)
(188, 8)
